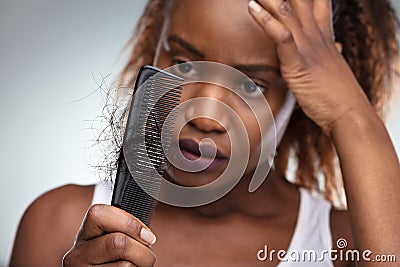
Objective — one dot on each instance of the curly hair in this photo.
(367, 30)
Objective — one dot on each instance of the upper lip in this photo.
(193, 147)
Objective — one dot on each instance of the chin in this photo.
(192, 179)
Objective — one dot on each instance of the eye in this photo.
(251, 89)
(184, 68)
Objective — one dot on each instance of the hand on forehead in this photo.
(223, 30)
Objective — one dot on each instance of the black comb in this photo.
(152, 114)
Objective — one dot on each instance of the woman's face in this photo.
(220, 31)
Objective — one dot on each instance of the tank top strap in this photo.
(312, 232)
(314, 221)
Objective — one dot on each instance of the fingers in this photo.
(114, 247)
(111, 237)
(280, 34)
(304, 12)
(313, 15)
(281, 10)
(102, 219)
(323, 16)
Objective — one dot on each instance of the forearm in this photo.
(371, 174)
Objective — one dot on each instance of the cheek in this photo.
(254, 133)
(254, 138)
(256, 130)
(277, 99)
(251, 124)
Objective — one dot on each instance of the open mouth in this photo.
(190, 149)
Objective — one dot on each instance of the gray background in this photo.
(51, 54)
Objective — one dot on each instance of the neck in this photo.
(274, 195)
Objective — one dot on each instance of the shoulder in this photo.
(49, 225)
(64, 197)
(66, 202)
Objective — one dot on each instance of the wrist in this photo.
(356, 122)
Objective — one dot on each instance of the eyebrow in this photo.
(196, 52)
(186, 45)
(256, 68)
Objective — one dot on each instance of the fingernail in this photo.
(147, 236)
(255, 6)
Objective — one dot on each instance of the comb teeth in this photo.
(165, 94)
(160, 99)
(152, 115)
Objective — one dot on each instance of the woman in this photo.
(294, 43)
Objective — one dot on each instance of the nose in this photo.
(207, 125)
(207, 113)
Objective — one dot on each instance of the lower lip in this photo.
(215, 164)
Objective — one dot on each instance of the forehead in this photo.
(223, 29)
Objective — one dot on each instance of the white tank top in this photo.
(312, 232)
